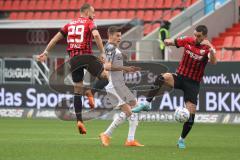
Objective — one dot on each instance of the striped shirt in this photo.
(194, 60)
(79, 36)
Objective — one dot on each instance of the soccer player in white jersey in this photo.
(125, 99)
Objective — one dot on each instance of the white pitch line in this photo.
(42, 139)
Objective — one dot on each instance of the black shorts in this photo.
(89, 62)
(189, 87)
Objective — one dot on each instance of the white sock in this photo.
(180, 138)
(116, 122)
(147, 103)
(133, 123)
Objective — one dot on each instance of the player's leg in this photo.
(126, 112)
(133, 119)
(122, 95)
(191, 91)
(90, 97)
(98, 85)
(78, 100)
(96, 69)
(105, 136)
(163, 53)
(78, 107)
(133, 123)
(77, 77)
(167, 79)
(187, 126)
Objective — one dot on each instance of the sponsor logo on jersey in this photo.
(194, 56)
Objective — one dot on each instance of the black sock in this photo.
(188, 126)
(78, 106)
(154, 89)
(99, 85)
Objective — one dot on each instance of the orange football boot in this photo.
(105, 139)
(133, 143)
(81, 127)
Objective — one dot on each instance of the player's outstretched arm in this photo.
(110, 67)
(99, 42)
(43, 56)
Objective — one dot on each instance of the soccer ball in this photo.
(181, 114)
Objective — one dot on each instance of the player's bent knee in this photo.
(126, 109)
(77, 89)
(191, 107)
(133, 103)
(168, 79)
(167, 76)
(129, 113)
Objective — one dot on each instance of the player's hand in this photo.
(131, 69)
(136, 68)
(107, 65)
(207, 43)
(42, 57)
(128, 69)
(168, 42)
(102, 57)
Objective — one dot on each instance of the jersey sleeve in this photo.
(64, 30)
(92, 26)
(181, 41)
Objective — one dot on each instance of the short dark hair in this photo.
(84, 7)
(113, 29)
(202, 28)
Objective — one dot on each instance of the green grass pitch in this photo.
(59, 140)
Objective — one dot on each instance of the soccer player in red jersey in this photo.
(198, 51)
(79, 33)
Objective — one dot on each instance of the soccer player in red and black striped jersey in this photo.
(198, 51)
(79, 33)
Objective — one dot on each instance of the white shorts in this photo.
(120, 95)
